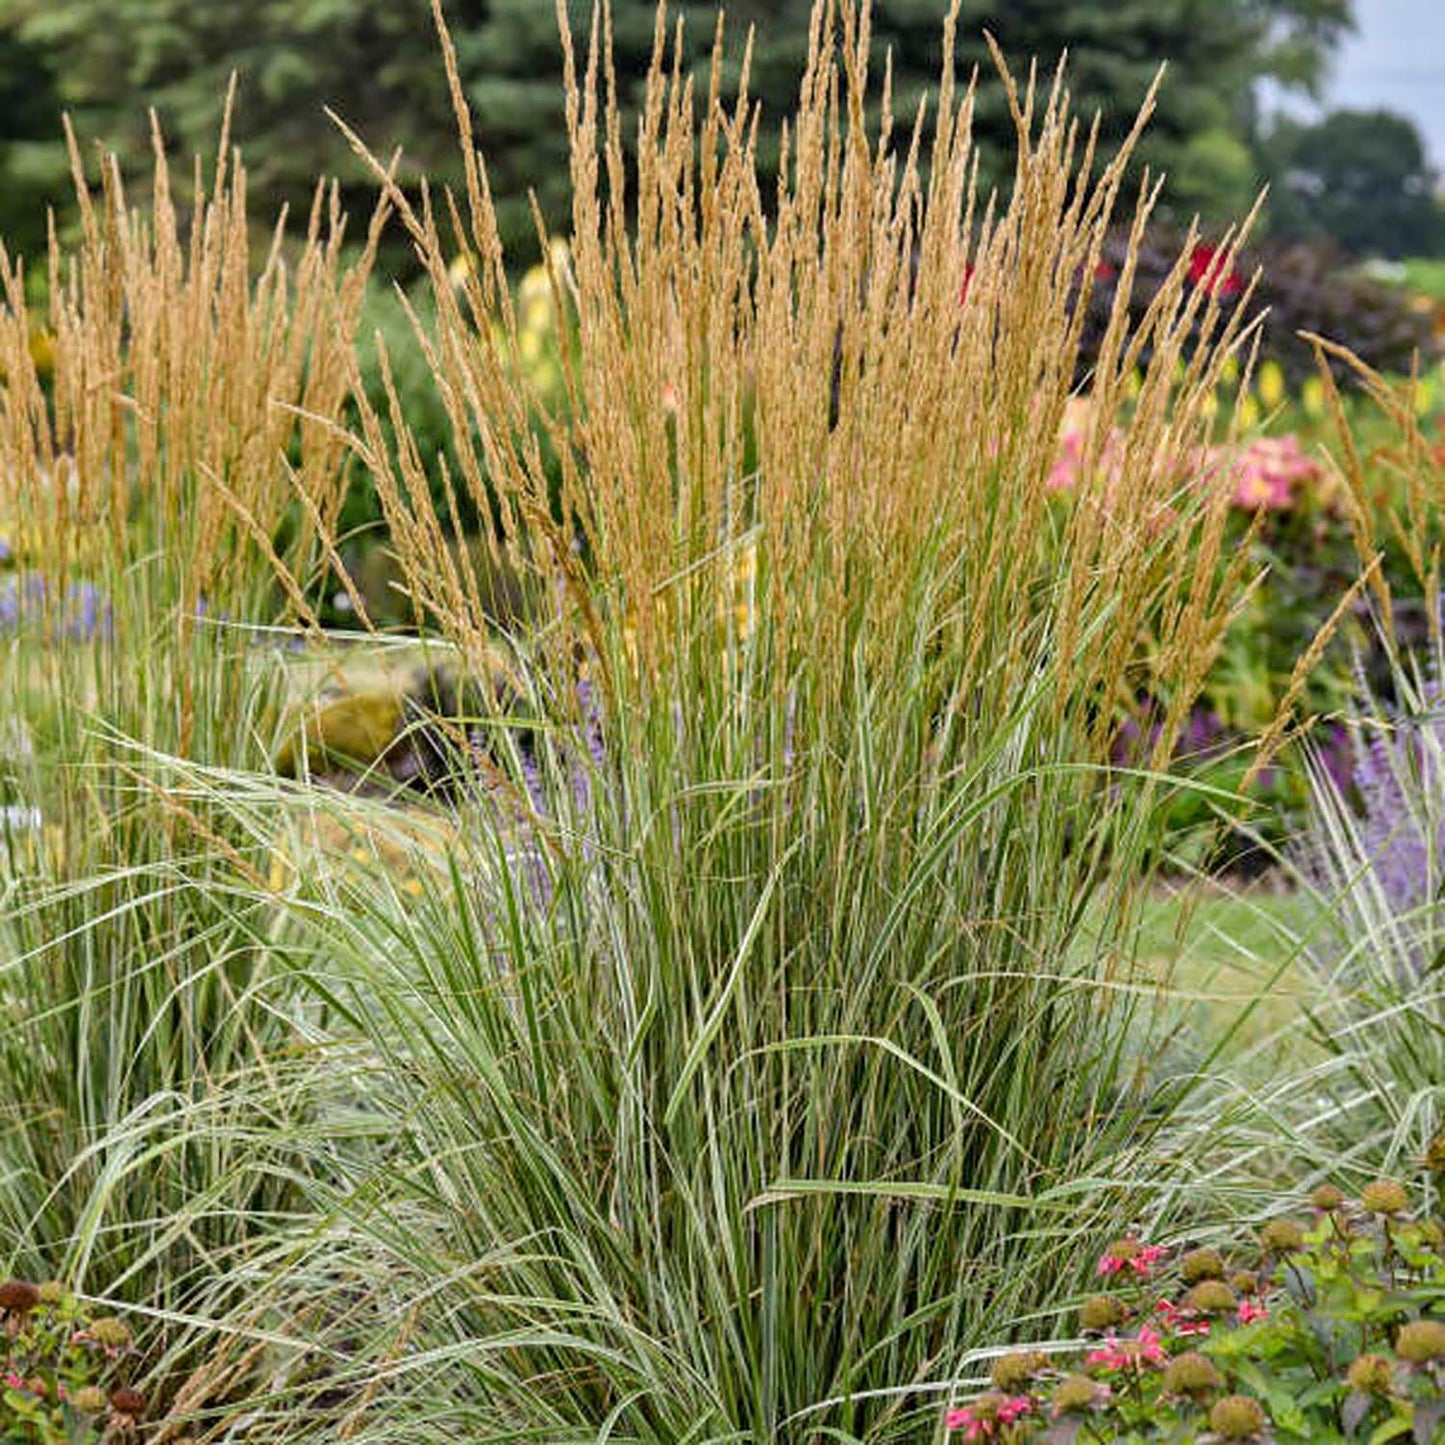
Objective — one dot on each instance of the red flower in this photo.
(1206, 270)
(1105, 271)
(968, 274)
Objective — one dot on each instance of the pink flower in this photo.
(1076, 439)
(1013, 1408)
(1141, 1259)
(1147, 1349)
(988, 1412)
(1249, 1312)
(1151, 1345)
(12, 1380)
(1062, 476)
(1268, 470)
(973, 1428)
(1148, 1256)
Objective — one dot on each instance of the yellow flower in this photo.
(42, 351)
(536, 290)
(1312, 396)
(1248, 413)
(1425, 394)
(1271, 385)
(537, 313)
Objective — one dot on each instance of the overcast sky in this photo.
(1396, 61)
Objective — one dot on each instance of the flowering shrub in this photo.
(1303, 287)
(1328, 1327)
(1270, 469)
(62, 1370)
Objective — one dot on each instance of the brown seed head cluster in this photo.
(1211, 1297)
(109, 1332)
(1422, 1342)
(1010, 1373)
(1371, 1374)
(1281, 1236)
(1076, 1394)
(89, 1400)
(1201, 1264)
(1384, 1196)
(1237, 1417)
(18, 1297)
(1102, 1312)
(1192, 1376)
(1435, 1154)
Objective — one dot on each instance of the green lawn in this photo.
(1227, 957)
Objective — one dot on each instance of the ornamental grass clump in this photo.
(1369, 856)
(179, 441)
(740, 1091)
(1334, 1336)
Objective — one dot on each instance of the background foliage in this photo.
(374, 62)
(1361, 178)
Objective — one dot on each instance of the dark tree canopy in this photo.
(1360, 178)
(30, 154)
(376, 63)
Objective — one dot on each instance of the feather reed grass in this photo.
(149, 480)
(783, 1045)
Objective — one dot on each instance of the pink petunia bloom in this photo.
(1249, 1312)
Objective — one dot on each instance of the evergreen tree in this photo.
(1359, 178)
(375, 62)
(31, 157)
